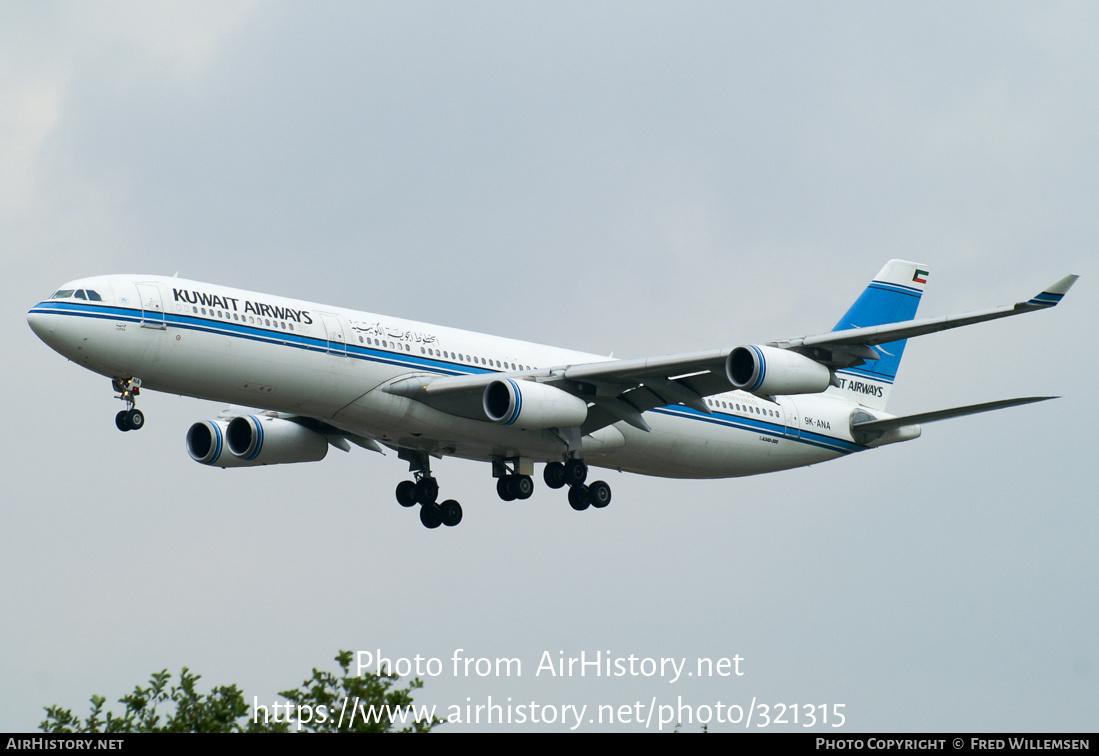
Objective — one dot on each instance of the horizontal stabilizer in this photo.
(930, 417)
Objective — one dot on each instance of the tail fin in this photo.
(891, 297)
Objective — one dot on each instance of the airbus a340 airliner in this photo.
(327, 376)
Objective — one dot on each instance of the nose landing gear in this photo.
(130, 418)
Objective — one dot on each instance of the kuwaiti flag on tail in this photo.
(920, 276)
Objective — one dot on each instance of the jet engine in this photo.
(249, 441)
(206, 444)
(769, 371)
(532, 406)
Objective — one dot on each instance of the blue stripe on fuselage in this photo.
(313, 344)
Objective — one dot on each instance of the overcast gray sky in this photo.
(641, 178)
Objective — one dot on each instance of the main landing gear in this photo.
(572, 473)
(424, 490)
(130, 418)
(511, 484)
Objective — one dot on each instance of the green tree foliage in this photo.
(373, 704)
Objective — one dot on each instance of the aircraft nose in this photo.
(42, 323)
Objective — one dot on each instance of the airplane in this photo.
(327, 376)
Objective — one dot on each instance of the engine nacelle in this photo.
(206, 444)
(769, 371)
(249, 441)
(533, 406)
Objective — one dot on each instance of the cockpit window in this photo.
(85, 294)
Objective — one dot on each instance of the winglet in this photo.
(1052, 295)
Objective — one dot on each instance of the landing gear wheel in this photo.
(503, 488)
(522, 485)
(450, 512)
(130, 418)
(578, 498)
(576, 472)
(554, 474)
(406, 493)
(430, 516)
(599, 493)
(427, 491)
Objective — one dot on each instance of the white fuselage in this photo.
(330, 363)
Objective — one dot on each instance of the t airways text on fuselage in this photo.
(324, 376)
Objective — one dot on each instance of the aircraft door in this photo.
(337, 344)
(790, 417)
(152, 307)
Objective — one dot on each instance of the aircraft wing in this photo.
(852, 346)
(622, 390)
(617, 389)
